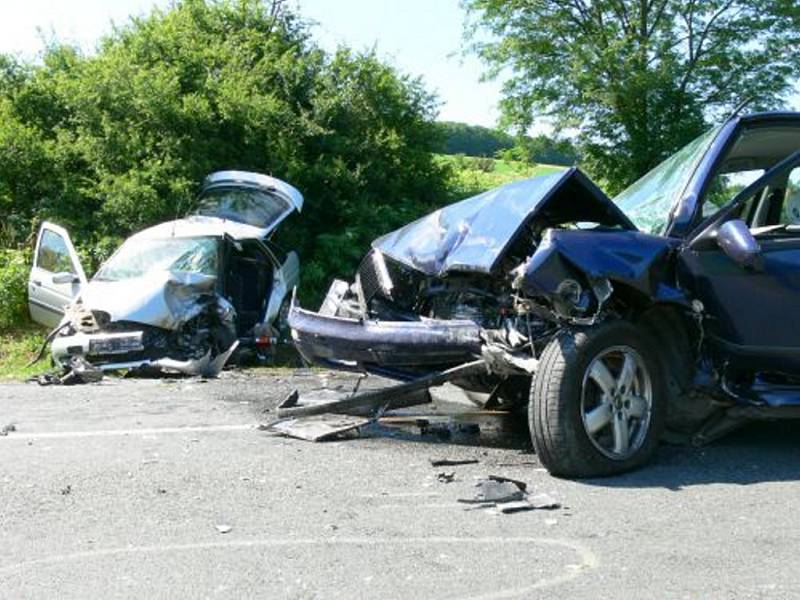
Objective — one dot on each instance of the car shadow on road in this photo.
(759, 452)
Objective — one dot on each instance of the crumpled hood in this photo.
(472, 235)
(164, 299)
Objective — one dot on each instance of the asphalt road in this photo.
(167, 489)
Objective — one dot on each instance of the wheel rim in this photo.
(617, 402)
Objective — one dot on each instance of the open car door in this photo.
(56, 276)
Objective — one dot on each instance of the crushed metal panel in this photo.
(471, 235)
(163, 299)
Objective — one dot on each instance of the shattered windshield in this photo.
(137, 258)
(243, 205)
(649, 201)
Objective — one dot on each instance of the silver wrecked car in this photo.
(179, 296)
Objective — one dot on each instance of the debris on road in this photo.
(508, 496)
(450, 462)
(496, 489)
(66, 491)
(402, 395)
(444, 477)
(317, 428)
(6, 429)
(77, 371)
(296, 412)
(223, 528)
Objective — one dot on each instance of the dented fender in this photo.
(640, 261)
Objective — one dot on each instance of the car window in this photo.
(790, 212)
(53, 254)
(137, 258)
(649, 201)
(724, 188)
(252, 207)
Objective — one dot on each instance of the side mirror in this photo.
(738, 243)
(65, 277)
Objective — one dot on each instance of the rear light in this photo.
(265, 341)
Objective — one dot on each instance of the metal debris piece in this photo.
(79, 370)
(290, 400)
(401, 395)
(509, 496)
(317, 428)
(452, 462)
(520, 484)
(537, 502)
(444, 477)
(6, 429)
(223, 528)
(508, 508)
(493, 491)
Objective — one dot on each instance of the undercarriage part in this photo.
(717, 426)
(502, 362)
(383, 399)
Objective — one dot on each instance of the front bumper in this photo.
(423, 343)
(127, 350)
(100, 347)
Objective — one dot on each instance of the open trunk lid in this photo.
(250, 198)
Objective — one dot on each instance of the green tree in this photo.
(635, 78)
(120, 139)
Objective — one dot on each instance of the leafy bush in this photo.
(14, 268)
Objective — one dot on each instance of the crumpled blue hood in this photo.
(472, 235)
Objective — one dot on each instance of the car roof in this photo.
(200, 226)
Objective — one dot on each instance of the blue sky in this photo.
(420, 37)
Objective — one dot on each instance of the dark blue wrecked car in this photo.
(672, 307)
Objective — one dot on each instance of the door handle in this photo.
(36, 282)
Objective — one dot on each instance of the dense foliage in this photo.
(14, 267)
(475, 140)
(108, 143)
(635, 78)
(472, 140)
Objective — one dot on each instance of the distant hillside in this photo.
(475, 140)
(472, 175)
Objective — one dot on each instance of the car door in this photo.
(752, 309)
(56, 276)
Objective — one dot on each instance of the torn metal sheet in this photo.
(493, 491)
(318, 428)
(413, 391)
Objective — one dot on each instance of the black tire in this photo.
(555, 416)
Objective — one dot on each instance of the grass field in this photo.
(472, 175)
(18, 348)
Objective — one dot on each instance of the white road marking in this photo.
(50, 435)
(588, 559)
